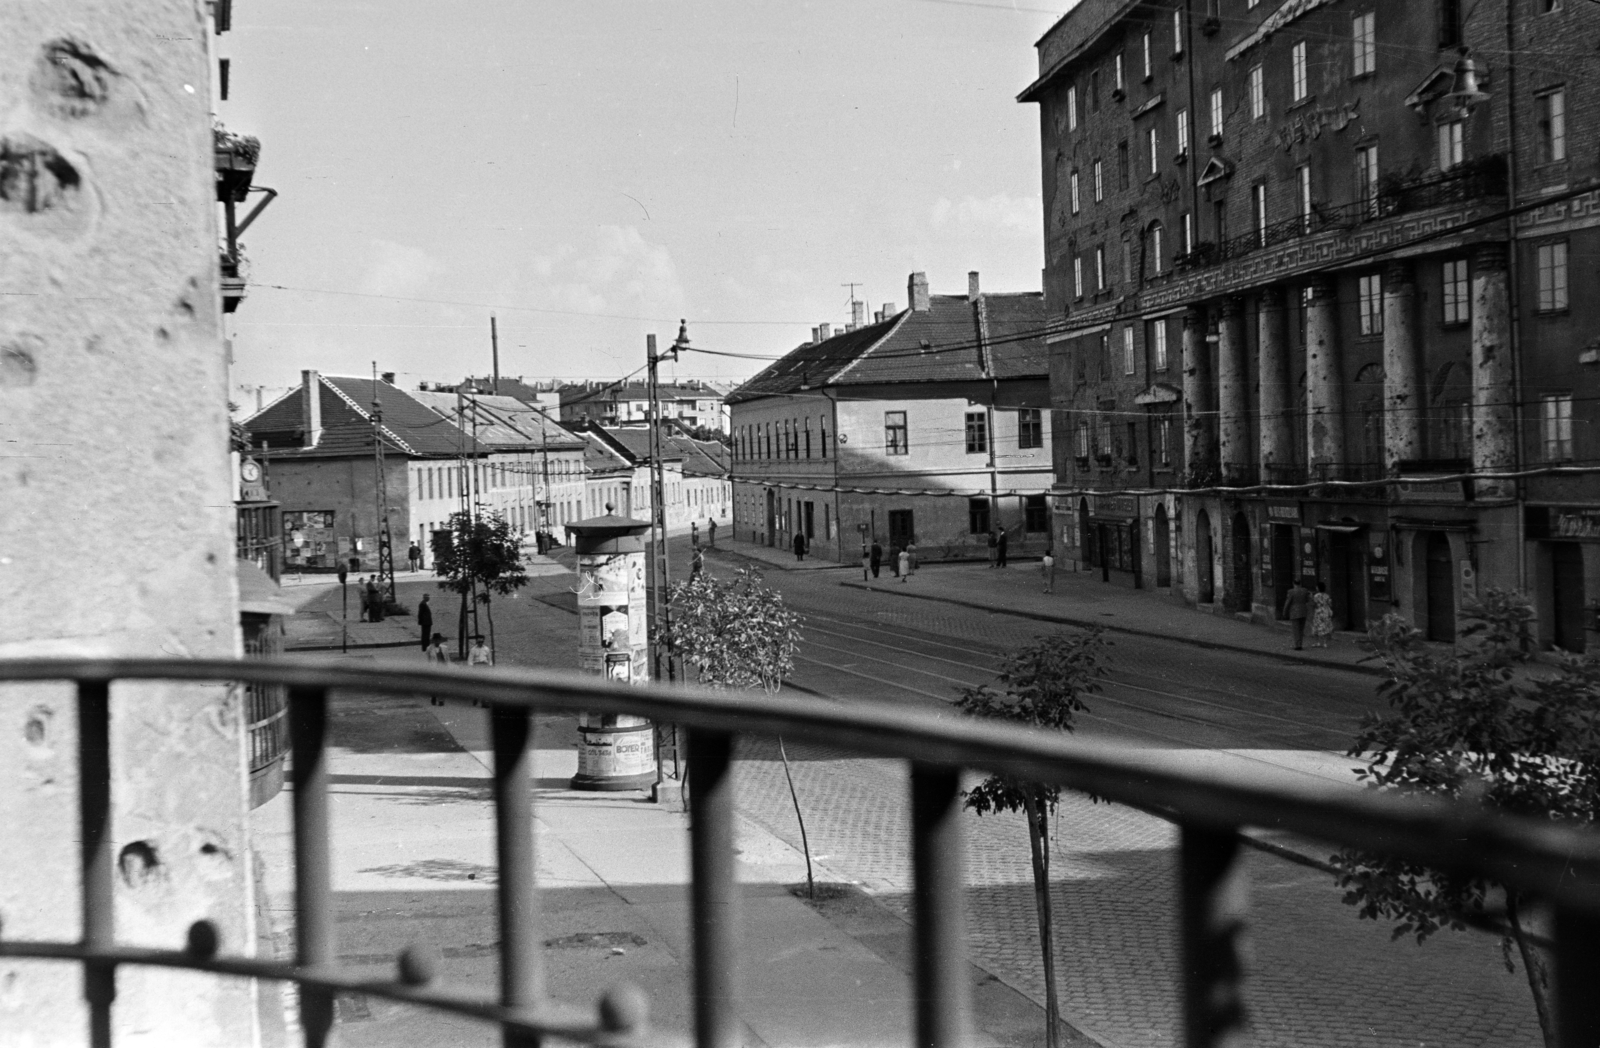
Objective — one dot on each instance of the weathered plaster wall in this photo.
(115, 506)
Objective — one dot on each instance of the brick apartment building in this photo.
(1278, 252)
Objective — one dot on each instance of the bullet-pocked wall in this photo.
(117, 532)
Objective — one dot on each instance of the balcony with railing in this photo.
(1211, 806)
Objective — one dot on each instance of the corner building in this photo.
(1315, 314)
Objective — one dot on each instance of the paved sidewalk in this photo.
(1081, 599)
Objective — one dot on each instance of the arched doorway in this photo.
(1205, 580)
(1085, 536)
(1240, 579)
(1163, 542)
(1441, 588)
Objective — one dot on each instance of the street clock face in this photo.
(249, 471)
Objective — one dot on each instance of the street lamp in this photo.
(1465, 93)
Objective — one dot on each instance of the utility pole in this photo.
(494, 348)
(660, 569)
(381, 488)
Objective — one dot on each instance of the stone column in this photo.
(1402, 367)
(1233, 393)
(1272, 347)
(1324, 383)
(1493, 413)
(1198, 459)
(117, 531)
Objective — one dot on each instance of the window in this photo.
(1077, 276)
(808, 438)
(895, 438)
(1099, 182)
(1219, 219)
(1371, 294)
(1156, 247)
(1127, 350)
(1367, 176)
(1258, 211)
(1105, 357)
(1363, 45)
(1558, 427)
(822, 435)
(977, 433)
(1216, 112)
(1080, 443)
(1258, 93)
(1030, 428)
(1131, 449)
(1177, 30)
(1116, 69)
(1153, 143)
(1297, 65)
(1187, 224)
(1036, 513)
(1127, 259)
(1552, 277)
(1449, 23)
(1099, 269)
(1104, 450)
(1156, 336)
(1457, 293)
(1552, 107)
(1072, 108)
(1183, 131)
(1146, 53)
(1452, 134)
(1302, 177)
(1122, 164)
(1072, 184)
(978, 516)
(1094, 90)
(1164, 441)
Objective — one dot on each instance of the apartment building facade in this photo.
(1312, 305)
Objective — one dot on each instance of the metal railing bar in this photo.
(547, 1019)
(1577, 977)
(938, 892)
(714, 896)
(521, 955)
(313, 888)
(1553, 861)
(94, 813)
(1213, 894)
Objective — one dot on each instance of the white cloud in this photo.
(398, 269)
(1001, 213)
(618, 272)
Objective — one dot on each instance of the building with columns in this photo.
(1311, 308)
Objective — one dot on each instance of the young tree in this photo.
(738, 633)
(481, 558)
(1043, 686)
(1475, 725)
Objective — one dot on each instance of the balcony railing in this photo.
(1557, 864)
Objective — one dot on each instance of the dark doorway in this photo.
(772, 517)
(810, 515)
(1283, 566)
(1241, 563)
(1205, 572)
(1566, 569)
(1163, 548)
(1085, 533)
(901, 532)
(1347, 580)
(1441, 587)
(1104, 550)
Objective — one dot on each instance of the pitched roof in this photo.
(408, 427)
(601, 457)
(700, 457)
(813, 363)
(634, 441)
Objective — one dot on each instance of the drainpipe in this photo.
(1514, 298)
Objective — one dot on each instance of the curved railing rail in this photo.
(1559, 864)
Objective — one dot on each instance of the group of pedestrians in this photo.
(1301, 604)
(997, 548)
(372, 600)
(902, 562)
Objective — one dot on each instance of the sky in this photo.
(591, 171)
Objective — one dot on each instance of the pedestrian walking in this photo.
(1000, 549)
(694, 534)
(1295, 606)
(1321, 616)
(711, 533)
(479, 655)
(1047, 568)
(374, 601)
(414, 554)
(799, 545)
(425, 620)
(994, 548)
(905, 565)
(866, 563)
(361, 591)
(877, 557)
(437, 656)
(697, 563)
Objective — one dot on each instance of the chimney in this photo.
(816, 335)
(388, 376)
(888, 310)
(825, 330)
(858, 313)
(972, 286)
(311, 408)
(917, 292)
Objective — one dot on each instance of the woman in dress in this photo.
(1321, 616)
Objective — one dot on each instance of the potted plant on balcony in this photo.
(235, 160)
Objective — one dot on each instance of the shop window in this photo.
(1036, 514)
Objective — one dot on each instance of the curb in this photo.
(1065, 620)
(414, 643)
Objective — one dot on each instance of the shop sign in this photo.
(1308, 558)
(1124, 507)
(1377, 566)
(1418, 490)
(1575, 524)
(1285, 513)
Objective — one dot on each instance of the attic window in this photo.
(926, 345)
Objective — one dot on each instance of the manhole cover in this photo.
(585, 940)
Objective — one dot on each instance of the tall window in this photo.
(1099, 182)
(1552, 277)
(1094, 90)
(896, 440)
(1072, 108)
(1153, 144)
(1371, 293)
(1452, 137)
(1156, 335)
(1177, 30)
(1299, 80)
(1258, 211)
(1117, 72)
(1187, 225)
(1164, 441)
(1363, 45)
(808, 438)
(1100, 269)
(1457, 293)
(1146, 53)
(1080, 441)
(977, 433)
(1219, 219)
(1072, 184)
(1127, 350)
(1157, 247)
(1449, 23)
(1367, 176)
(1122, 164)
(1216, 112)
(1258, 93)
(1127, 259)
(1552, 108)
(978, 516)
(1557, 427)
(1183, 131)
(822, 435)
(1302, 178)
(1030, 428)
(1077, 276)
